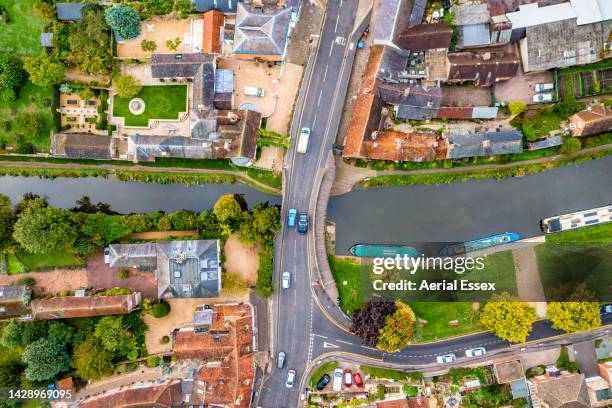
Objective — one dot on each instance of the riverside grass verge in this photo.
(495, 173)
(188, 179)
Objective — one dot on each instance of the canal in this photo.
(467, 210)
(131, 196)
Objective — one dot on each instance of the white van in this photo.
(302, 146)
(253, 91)
(337, 384)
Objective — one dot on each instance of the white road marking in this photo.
(341, 3)
(314, 122)
(340, 40)
(345, 342)
(329, 345)
(331, 49)
(320, 96)
(318, 335)
(336, 28)
(325, 74)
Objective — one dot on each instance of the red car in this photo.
(348, 378)
(358, 381)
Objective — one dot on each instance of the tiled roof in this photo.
(397, 146)
(597, 119)
(213, 29)
(178, 65)
(81, 146)
(85, 306)
(415, 102)
(69, 11)
(485, 144)
(546, 143)
(568, 390)
(466, 14)
(482, 68)
(425, 37)
(226, 6)
(395, 16)
(261, 31)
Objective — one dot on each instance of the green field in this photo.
(347, 275)
(595, 233)
(161, 102)
(22, 33)
(22, 262)
(438, 314)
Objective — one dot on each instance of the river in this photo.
(467, 210)
(131, 196)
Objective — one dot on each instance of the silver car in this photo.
(475, 352)
(446, 358)
(290, 379)
(281, 360)
(286, 280)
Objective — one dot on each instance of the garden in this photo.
(161, 102)
(585, 80)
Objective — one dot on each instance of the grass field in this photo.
(22, 262)
(347, 275)
(161, 102)
(22, 33)
(438, 314)
(31, 99)
(595, 233)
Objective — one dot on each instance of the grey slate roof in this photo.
(395, 16)
(140, 256)
(474, 35)
(81, 146)
(69, 11)
(467, 14)
(485, 144)
(414, 102)
(226, 6)
(261, 32)
(204, 86)
(178, 65)
(546, 143)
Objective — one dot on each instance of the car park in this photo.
(348, 378)
(281, 360)
(357, 380)
(446, 358)
(290, 379)
(286, 280)
(323, 381)
(475, 352)
(302, 226)
(542, 98)
(291, 217)
(544, 87)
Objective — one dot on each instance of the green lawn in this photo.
(544, 121)
(161, 101)
(318, 372)
(389, 374)
(22, 33)
(347, 275)
(438, 314)
(595, 233)
(31, 98)
(24, 262)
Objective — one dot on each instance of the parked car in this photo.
(446, 358)
(254, 91)
(337, 385)
(606, 308)
(291, 217)
(281, 360)
(544, 87)
(107, 255)
(286, 280)
(357, 379)
(290, 379)
(348, 378)
(542, 98)
(323, 381)
(475, 352)
(302, 223)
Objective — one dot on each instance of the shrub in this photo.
(164, 340)
(123, 273)
(160, 309)
(115, 292)
(528, 130)
(265, 286)
(570, 145)
(25, 282)
(516, 108)
(173, 44)
(124, 21)
(148, 45)
(153, 361)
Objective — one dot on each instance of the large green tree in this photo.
(124, 21)
(126, 86)
(11, 368)
(43, 229)
(7, 219)
(114, 336)
(92, 360)
(572, 317)
(509, 318)
(98, 230)
(44, 70)
(45, 358)
(227, 209)
(12, 76)
(261, 225)
(398, 328)
(89, 42)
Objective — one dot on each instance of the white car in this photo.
(475, 352)
(446, 359)
(290, 379)
(542, 98)
(286, 280)
(544, 87)
(337, 384)
(254, 91)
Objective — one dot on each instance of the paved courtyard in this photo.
(521, 87)
(101, 276)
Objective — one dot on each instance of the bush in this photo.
(25, 282)
(148, 45)
(160, 309)
(570, 145)
(123, 273)
(528, 130)
(153, 361)
(516, 108)
(124, 21)
(164, 340)
(115, 292)
(265, 286)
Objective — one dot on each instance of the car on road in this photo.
(357, 379)
(302, 146)
(254, 91)
(302, 225)
(286, 280)
(281, 360)
(348, 378)
(323, 381)
(290, 379)
(291, 217)
(475, 352)
(542, 98)
(107, 255)
(446, 358)
(544, 87)
(606, 308)
(337, 384)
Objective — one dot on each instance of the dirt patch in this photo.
(465, 96)
(241, 259)
(49, 283)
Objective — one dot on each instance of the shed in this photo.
(69, 11)
(46, 40)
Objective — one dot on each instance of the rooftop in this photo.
(83, 306)
(261, 31)
(226, 6)
(483, 68)
(81, 146)
(69, 11)
(508, 369)
(467, 14)
(426, 37)
(484, 144)
(397, 146)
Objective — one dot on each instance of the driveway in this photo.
(101, 276)
(521, 87)
(583, 354)
(465, 96)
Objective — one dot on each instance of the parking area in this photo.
(465, 95)
(280, 87)
(521, 87)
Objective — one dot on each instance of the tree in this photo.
(368, 320)
(126, 86)
(11, 369)
(261, 225)
(137, 222)
(528, 130)
(227, 209)
(572, 317)
(158, 7)
(568, 105)
(509, 318)
(7, 219)
(183, 8)
(44, 70)
(88, 40)
(98, 230)
(160, 309)
(398, 328)
(114, 336)
(86, 93)
(518, 107)
(65, 88)
(45, 9)
(12, 76)
(148, 45)
(570, 145)
(11, 335)
(61, 331)
(30, 123)
(91, 360)
(164, 224)
(173, 44)
(44, 229)
(45, 358)
(124, 21)
(182, 220)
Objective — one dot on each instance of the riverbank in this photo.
(186, 172)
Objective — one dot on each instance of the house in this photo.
(559, 389)
(183, 269)
(472, 21)
(393, 16)
(484, 144)
(69, 11)
(599, 391)
(485, 68)
(398, 147)
(467, 112)
(414, 102)
(214, 21)
(84, 306)
(591, 121)
(426, 37)
(261, 32)
(225, 6)
(15, 301)
(81, 146)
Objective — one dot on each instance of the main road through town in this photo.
(307, 328)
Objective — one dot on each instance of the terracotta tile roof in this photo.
(213, 24)
(425, 37)
(482, 68)
(455, 113)
(397, 146)
(368, 80)
(72, 306)
(597, 119)
(150, 396)
(419, 402)
(393, 404)
(365, 119)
